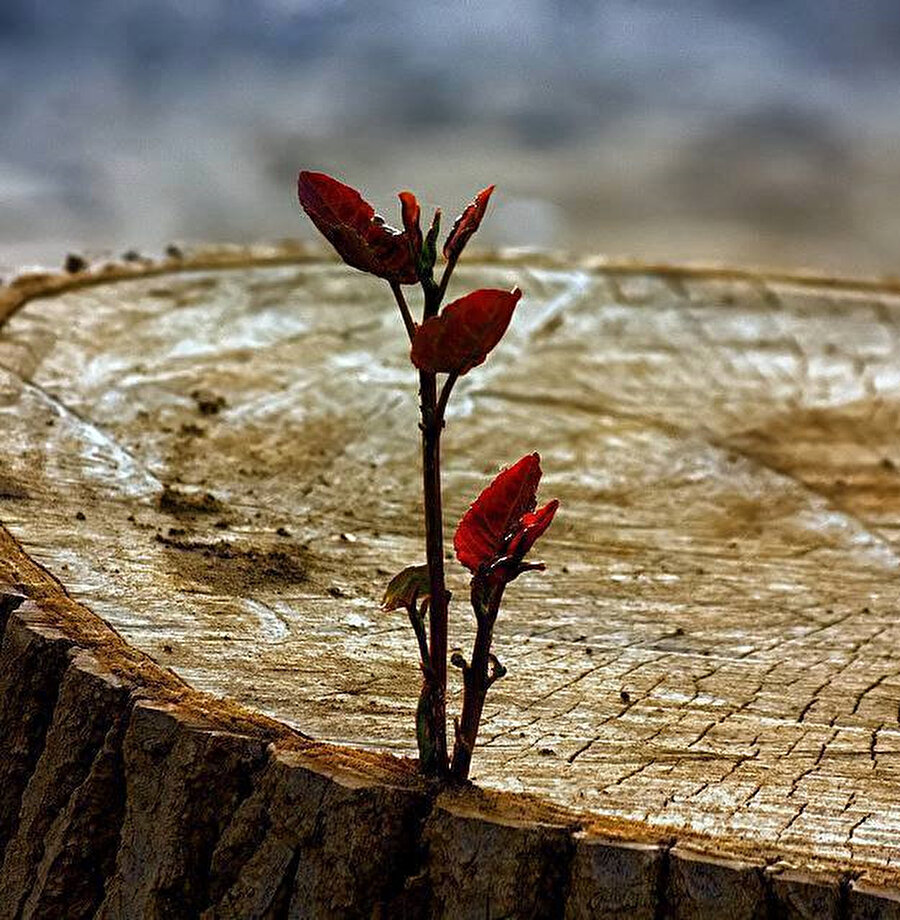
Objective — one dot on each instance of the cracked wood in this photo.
(714, 647)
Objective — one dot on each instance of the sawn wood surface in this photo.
(223, 464)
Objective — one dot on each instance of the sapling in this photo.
(503, 523)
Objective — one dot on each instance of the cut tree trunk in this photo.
(209, 472)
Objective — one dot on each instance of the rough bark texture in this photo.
(338, 841)
(79, 752)
(704, 704)
(803, 895)
(486, 865)
(614, 879)
(704, 888)
(192, 778)
(32, 662)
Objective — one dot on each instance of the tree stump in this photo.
(210, 471)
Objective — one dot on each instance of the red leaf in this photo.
(532, 525)
(409, 208)
(466, 330)
(487, 528)
(467, 224)
(350, 224)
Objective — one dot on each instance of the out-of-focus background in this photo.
(755, 132)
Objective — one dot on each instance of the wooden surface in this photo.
(223, 465)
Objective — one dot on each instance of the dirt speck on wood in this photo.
(179, 502)
(232, 567)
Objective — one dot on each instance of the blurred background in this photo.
(763, 132)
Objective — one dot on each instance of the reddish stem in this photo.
(446, 390)
(433, 757)
(417, 621)
(445, 277)
(476, 680)
(436, 684)
(404, 310)
(433, 752)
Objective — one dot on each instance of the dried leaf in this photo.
(486, 529)
(465, 331)
(406, 588)
(350, 224)
(467, 224)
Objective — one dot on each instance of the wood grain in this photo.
(223, 465)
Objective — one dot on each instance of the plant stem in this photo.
(433, 755)
(476, 681)
(431, 715)
(446, 390)
(434, 690)
(404, 310)
(435, 687)
(417, 621)
(445, 277)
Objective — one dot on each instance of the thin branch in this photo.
(446, 390)
(404, 310)
(445, 277)
(417, 619)
(435, 689)
(484, 669)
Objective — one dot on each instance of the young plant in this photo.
(502, 524)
